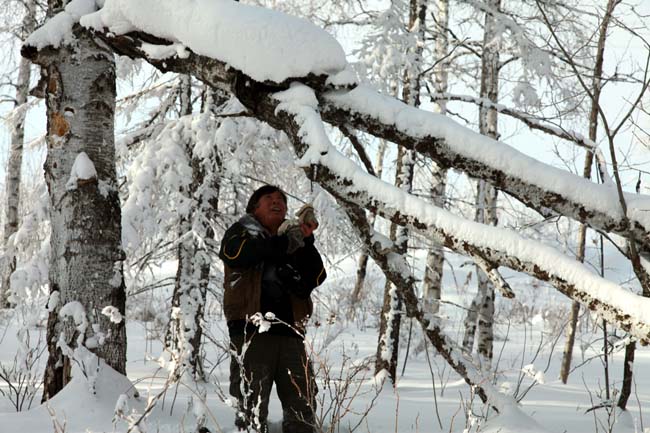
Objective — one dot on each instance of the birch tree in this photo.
(362, 266)
(389, 328)
(87, 291)
(481, 310)
(432, 282)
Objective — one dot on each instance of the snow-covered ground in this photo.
(524, 354)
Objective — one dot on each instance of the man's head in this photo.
(269, 206)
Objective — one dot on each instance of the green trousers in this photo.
(269, 359)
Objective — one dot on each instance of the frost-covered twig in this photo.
(534, 123)
(498, 246)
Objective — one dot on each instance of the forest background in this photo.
(563, 83)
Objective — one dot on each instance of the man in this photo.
(270, 267)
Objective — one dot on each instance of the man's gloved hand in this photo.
(307, 219)
(291, 228)
(307, 215)
(298, 229)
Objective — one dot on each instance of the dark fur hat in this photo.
(259, 192)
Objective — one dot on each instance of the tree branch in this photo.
(451, 146)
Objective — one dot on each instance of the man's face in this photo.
(271, 210)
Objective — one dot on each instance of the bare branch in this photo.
(361, 151)
(532, 123)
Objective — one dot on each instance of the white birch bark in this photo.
(488, 123)
(391, 317)
(433, 271)
(363, 259)
(485, 318)
(86, 253)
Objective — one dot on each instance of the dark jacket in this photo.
(259, 274)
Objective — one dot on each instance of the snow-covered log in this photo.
(546, 189)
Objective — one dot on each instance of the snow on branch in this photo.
(534, 123)
(211, 58)
(540, 186)
(494, 246)
(301, 101)
(264, 44)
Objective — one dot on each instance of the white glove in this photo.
(307, 215)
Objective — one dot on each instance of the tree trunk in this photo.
(391, 316)
(628, 369)
(586, 172)
(15, 160)
(571, 330)
(388, 345)
(363, 259)
(433, 271)
(486, 288)
(183, 338)
(86, 255)
(486, 194)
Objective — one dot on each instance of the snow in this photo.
(165, 51)
(58, 29)
(82, 169)
(512, 419)
(420, 124)
(112, 313)
(53, 301)
(249, 38)
(301, 101)
(260, 321)
(76, 311)
(535, 123)
(86, 404)
(297, 101)
(345, 78)
(100, 400)
(533, 373)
